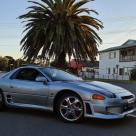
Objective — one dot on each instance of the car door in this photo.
(25, 90)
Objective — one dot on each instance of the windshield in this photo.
(59, 75)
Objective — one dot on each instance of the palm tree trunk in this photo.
(61, 61)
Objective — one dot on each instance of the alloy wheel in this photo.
(71, 108)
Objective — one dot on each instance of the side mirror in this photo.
(41, 79)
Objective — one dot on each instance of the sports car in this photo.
(67, 95)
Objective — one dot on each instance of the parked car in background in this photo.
(67, 95)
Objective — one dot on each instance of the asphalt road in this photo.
(19, 122)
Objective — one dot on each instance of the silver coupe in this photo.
(67, 95)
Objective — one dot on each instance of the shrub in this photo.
(133, 74)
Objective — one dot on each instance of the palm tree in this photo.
(57, 29)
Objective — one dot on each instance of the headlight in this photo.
(98, 97)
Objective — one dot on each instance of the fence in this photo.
(91, 75)
(113, 77)
(85, 74)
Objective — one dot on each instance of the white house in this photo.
(117, 62)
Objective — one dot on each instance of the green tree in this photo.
(10, 61)
(56, 29)
(133, 74)
(3, 64)
(20, 62)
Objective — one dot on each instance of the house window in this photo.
(126, 71)
(121, 71)
(112, 55)
(131, 52)
(109, 55)
(108, 70)
(114, 71)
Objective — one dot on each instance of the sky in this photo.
(118, 17)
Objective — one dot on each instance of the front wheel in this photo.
(70, 108)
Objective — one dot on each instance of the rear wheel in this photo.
(1, 101)
(70, 108)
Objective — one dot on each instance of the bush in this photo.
(133, 74)
(59, 65)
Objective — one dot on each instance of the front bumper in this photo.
(106, 111)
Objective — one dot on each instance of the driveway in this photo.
(129, 86)
(20, 122)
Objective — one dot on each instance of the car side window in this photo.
(27, 74)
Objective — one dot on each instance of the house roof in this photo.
(127, 44)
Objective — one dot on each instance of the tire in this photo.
(69, 108)
(2, 104)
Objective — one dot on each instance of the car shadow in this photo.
(30, 113)
(108, 123)
(86, 122)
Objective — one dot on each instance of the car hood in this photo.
(101, 87)
(107, 87)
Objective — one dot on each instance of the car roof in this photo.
(35, 66)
